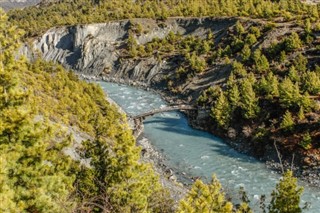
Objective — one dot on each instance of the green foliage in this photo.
(37, 19)
(251, 39)
(238, 69)
(289, 93)
(246, 53)
(293, 42)
(197, 63)
(287, 122)
(301, 115)
(41, 105)
(286, 197)
(300, 63)
(311, 83)
(209, 95)
(293, 74)
(249, 101)
(205, 198)
(36, 176)
(255, 31)
(269, 86)
(283, 57)
(306, 141)
(239, 28)
(308, 26)
(117, 176)
(221, 112)
(234, 95)
(261, 61)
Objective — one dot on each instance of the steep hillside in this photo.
(63, 147)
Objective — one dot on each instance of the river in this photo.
(199, 154)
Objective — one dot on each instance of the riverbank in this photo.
(167, 176)
(150, 155)
(271, 157)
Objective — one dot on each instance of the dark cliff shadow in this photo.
(66, 43)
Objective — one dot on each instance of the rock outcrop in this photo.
(14, 4)
(95, 49)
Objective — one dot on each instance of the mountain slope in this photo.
(63, 147)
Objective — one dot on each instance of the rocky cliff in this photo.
(96, 49)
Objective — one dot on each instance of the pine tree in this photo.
(234, 96)
(300, 63)
(249, 101)
(306, 141)
(287, 122)
(283, 56)
(261, 61)
(246, 53)
(289, 93)
(301, 115)
(311, 82)
(273, 82)
(251, 39)
(293, 42)
(221, 111)
(307, 26)
(238, 69)
(293, 74)
(286, 197)
(205, 198)
(239, 28)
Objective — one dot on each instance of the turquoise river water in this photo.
(200, 154)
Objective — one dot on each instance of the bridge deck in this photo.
(164, 109)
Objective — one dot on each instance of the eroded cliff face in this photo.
(97, 49)
(14, 4)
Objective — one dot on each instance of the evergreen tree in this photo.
(286, 197)
(246, 53)
(283, 56)
(301, 115)
(293, 42)
(251, 39)
(307, 26)
(239, 28)
(261, 61)
(205, 198)
(234, 96)
(306, 141)
(300, 63)
(238, 69)
(287, 122)
(293, 74)
(249, 101)
(311, 82)
(221, 111)
(289, 93)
